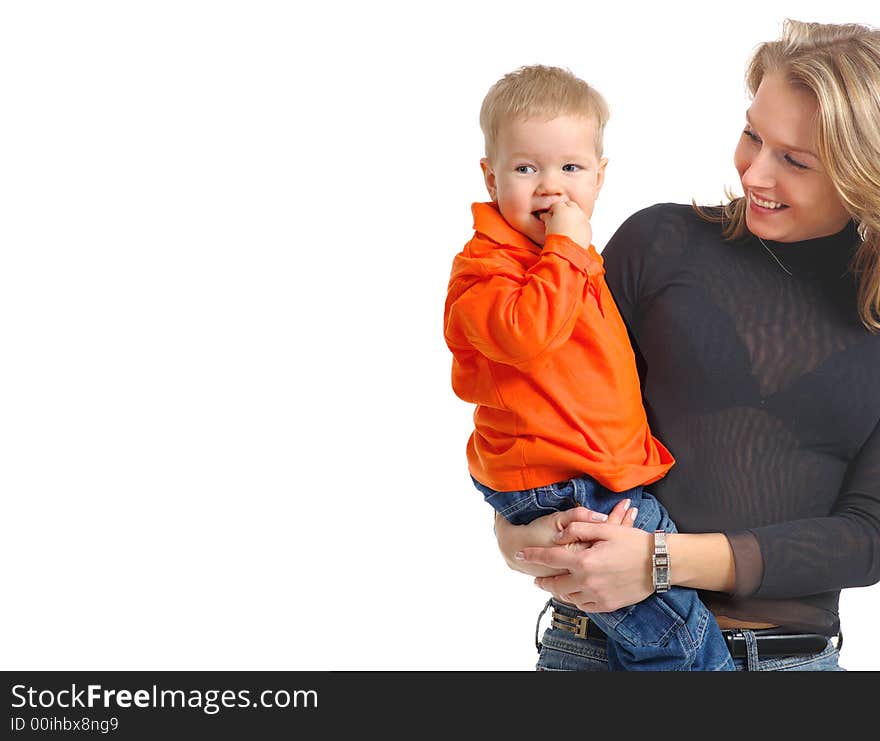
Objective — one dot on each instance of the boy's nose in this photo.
(549, 184)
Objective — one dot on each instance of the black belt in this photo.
(769, 641)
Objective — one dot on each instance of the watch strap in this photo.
(660, 564)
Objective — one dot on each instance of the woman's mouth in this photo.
(765, 205)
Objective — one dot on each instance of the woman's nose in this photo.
(760, 173)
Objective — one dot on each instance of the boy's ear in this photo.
(600, 174)
(489, 177)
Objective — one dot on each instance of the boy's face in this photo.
(538, 163)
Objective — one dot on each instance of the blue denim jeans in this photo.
(560, 651)
(672, 631)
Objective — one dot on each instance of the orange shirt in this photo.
(540, 347)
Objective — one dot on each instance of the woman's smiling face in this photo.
(790, 195)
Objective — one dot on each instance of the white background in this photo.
(227, 434)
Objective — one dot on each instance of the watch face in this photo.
(660, 563)
(661, 572)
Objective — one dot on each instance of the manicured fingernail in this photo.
(598, 517)
(633, 512)
(626, 504)
(519, 556)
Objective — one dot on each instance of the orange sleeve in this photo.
(513, 317)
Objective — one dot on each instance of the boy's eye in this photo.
(525, 169)
(571, 167)
(752, 135)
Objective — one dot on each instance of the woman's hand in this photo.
(547, 532)
(614, 571)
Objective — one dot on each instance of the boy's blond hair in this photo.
(539, 91)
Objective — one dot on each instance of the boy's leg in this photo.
(669, 631)
(523, 506)
(559, 652)
(673, 630)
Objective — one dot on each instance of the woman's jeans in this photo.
(561, 651)
(672, 631)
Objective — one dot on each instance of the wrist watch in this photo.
(660, 563)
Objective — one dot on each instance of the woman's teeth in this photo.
(765, 204)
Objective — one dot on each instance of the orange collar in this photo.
(489, 221)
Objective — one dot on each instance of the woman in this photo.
(757, 325)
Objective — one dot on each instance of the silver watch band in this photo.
(660, 563)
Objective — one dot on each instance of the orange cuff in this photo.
(585, 260)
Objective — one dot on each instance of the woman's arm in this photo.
(615, 571)
(819, 554)
(702, 561)
(778, 561)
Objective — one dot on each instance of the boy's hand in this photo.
(570, 221)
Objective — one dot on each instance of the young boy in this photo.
(539, 346)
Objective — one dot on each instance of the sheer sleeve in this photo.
(822, 554)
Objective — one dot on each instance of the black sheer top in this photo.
(766, 388)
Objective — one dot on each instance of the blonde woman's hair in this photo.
(540, 91)
(840, 66)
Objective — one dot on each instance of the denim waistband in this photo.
(742, 642)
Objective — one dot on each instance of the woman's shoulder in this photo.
(674, 214)
(662, 231)
(651, 250)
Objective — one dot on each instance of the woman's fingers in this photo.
(582, 527)
(563, 585)
(555, 558)
(579, 531)
(612, 572)
(565, 559)
(577, 514)
(621, 514)
(618, 514)
(576, 531)
(629, 516)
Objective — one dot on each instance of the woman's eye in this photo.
(794, 163)
(525, 169)
(752, 135)
(571, 167)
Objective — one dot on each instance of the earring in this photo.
(862, 229)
